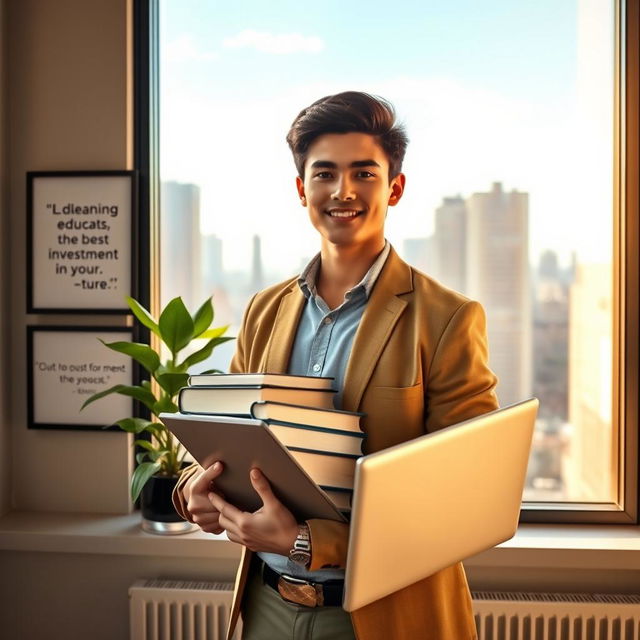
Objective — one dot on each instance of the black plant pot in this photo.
(158, 513)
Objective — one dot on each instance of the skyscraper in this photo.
(180, 243)
(450, 243)
(257, 276)
(497, 274)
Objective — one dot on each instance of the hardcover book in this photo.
(238, 400)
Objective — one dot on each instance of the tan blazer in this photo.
(418, 364)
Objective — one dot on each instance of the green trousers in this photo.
(266, 616)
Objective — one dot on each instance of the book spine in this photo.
(180, 407)
(328, 487)
(325, 487)
(216, 414)
(331, 454)
(309, 427)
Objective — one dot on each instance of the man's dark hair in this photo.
(350, 111)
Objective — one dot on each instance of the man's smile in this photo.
(343, 213)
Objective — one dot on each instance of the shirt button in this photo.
(328, 320)
(316, 367)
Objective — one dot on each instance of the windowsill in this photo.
(613, 547)
(104, 534)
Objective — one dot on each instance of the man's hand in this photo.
(272, 528)
(196, 493)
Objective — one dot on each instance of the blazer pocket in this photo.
(398, 393)
(395, 414)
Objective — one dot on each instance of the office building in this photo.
(256, 282)
(450, 243)
(180, 243)
(497, 274)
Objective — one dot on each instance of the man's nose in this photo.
(343, 189)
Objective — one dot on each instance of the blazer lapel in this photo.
(382, 312)
(284, 331)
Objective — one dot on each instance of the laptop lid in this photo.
(430, 502)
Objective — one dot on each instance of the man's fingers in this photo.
(202, 519)
(262, 486)
(224, 507)
(203, 483)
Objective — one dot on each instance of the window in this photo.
(516, 196)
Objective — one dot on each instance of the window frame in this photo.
(626, 282)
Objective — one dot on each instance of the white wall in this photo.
(69, 108)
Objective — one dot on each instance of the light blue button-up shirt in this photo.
(323, 341)
(322, 348)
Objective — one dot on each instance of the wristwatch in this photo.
(301, 552)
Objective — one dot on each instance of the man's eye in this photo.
(365, 174)
(323, 174)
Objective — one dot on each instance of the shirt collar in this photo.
(307, 279)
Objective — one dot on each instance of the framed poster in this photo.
(66, 365)
(81, 241)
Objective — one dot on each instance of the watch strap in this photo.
(301, 551)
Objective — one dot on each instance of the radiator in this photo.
(179, 610)
(556, 616)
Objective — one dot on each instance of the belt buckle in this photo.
(300, 591)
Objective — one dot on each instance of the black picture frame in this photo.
(43, 383)
(54, 291)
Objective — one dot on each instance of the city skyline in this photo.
(480, 247)
(426, 261)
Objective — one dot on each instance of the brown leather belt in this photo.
(302, 592)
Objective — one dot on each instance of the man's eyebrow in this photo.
(365, 163)
(323, 164)
(328, 164)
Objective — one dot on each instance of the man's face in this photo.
(346, 189)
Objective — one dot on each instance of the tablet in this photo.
(244, 443)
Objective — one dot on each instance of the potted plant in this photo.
(161, 459)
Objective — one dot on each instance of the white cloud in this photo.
(184, 49)
(278, 43)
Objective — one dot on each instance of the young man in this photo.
(405, 350)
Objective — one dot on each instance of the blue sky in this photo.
(513, 91)
(528, 45)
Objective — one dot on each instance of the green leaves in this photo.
(176, 326)
(140, 476)
(173, 382)
(203, 318)
(141, 353)
(205, 352)
(139, 393)
(138, 425)
(177, 329)
(215, 333)
(145, 318)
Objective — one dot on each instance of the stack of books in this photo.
(299, 411)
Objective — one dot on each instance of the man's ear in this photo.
(397, 189)
(300, 188)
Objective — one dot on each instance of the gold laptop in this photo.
(428, 503)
